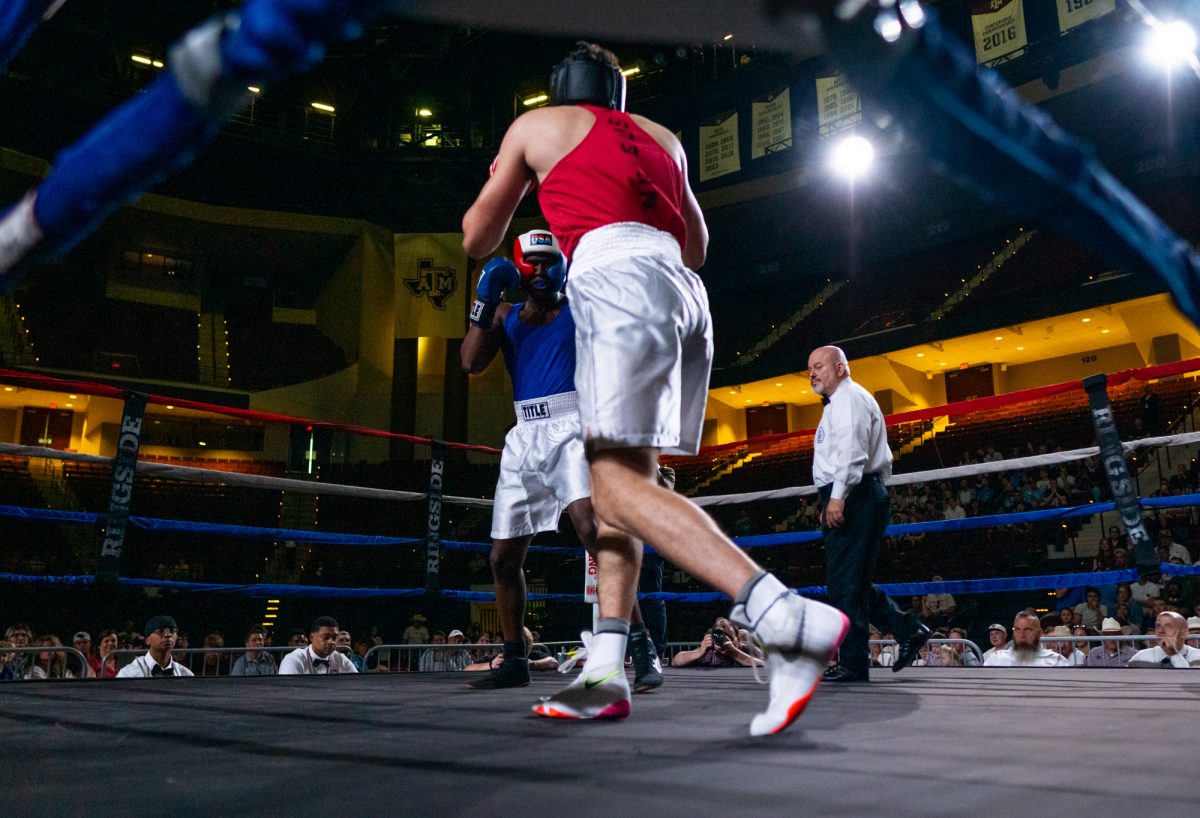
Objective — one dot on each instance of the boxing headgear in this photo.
(581, 78)
(539, 243)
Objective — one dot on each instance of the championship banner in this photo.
(431, 285)
(1076, 12)
(1124, 488)
(120, 494)
(999, 27)
(838, 105)
(719, 151)
(771, 124)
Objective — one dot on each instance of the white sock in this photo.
(761, 593)
(607, 649)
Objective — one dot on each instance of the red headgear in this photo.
(538, 243)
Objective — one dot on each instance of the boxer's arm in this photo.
(487, 220)
(696, 250)
(479, 347)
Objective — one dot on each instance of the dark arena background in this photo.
(244, 390)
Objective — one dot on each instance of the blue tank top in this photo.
(540, 360)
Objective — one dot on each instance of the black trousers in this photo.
(851, 551)
(654, 612)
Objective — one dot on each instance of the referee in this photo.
(851, 465)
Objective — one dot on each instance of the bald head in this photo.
(1171, 630)
(827, 367)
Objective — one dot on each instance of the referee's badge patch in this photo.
(820, 435)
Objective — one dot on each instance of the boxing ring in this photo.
(917, 743)
(928, 740)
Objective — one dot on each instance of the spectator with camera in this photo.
(722, 646)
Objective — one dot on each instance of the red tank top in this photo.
(618, 173)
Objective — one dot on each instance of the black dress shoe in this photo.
(845, 674)
(910, 648)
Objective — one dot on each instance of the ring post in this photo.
(120, 496)
(1124, 489)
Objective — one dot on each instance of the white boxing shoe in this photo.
(799, 637)
(596, 693)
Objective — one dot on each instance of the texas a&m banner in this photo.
(431, 285)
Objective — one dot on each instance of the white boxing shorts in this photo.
(643, 340)
(543, 468)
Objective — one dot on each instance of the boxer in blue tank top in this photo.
(544, 469)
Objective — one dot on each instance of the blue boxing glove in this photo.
(499, 275)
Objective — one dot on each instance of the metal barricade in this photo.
(407, 658)
(68, 650)
(1139, 641)
(188, 657)
(964, 642)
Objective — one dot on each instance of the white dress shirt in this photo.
(851, 440)
(142, 667)
(1189, 657)
(1043, 658)
(303, 661)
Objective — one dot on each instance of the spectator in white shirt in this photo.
(320, 656)
(953, 510)
(1174, 549)
(1171, 650)
(997, 637)
(1026, 650)
(161, 633)
(1090, 613)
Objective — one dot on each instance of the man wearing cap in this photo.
(1171, 650)
(998, 637)
(82, 640)
(544, 468)
(160, 633)
(457, 656)
(1026, 649)
(415, 634)
(1074, 656)
(320, 656)
(1111, 653)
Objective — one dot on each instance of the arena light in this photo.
(629, 72)
(253, 89)
(852, 157)
(537, 99)
(1169, 45)
(321, 106)
(424, 112)
(140, 60)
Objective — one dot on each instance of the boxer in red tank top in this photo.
(614, 190)
(618, 173)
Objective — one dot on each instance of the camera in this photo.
(719, 637)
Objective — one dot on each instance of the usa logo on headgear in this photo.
(435, 283)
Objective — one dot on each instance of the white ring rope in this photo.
(198, 475)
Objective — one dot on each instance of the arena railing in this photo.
(34, 650)
(187, 657)
(274, 483)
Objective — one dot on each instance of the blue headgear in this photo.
(582, 78)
